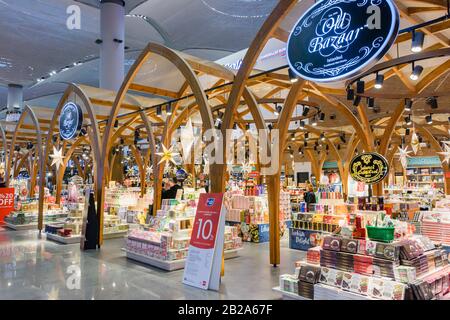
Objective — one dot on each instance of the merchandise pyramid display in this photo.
(164, 241)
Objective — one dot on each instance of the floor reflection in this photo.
(34, 268)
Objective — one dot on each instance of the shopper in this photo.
(310, 196)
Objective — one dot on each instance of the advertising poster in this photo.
(6, 202)
(203, 264)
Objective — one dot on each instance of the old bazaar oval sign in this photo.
(70, 121)
(338, 39)
(369, 168)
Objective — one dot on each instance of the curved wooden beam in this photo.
(28, 111)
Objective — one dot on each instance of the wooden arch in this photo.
(93, 129)
(28, 111)
(191, 79)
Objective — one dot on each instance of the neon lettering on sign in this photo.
(337, 39)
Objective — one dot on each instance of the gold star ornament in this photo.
(167, 155)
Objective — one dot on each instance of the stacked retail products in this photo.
(26, 213)
(347, 268)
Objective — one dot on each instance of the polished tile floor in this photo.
(33, 268)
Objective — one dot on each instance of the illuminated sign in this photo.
(70, 121)
(338, 39)
(369, 168)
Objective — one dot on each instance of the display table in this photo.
(325, 292)
(19, 227)
(289, 295)
(63, 240)
(170, 265)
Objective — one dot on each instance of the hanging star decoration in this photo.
(167, 155)
(149, 170)
(130, 171)
(415, 144)
(404, 155)
(246, 168)
(57, 157)
(446, 152)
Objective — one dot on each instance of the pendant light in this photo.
(408, 104)
(416, 72)
(417, 41)
(379, 80)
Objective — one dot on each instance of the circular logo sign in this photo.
(70, 121)
(181, 175)
(369, 168)
(338, 39)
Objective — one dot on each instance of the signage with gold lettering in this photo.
(369, 168)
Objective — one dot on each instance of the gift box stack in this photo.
(232, 239)
(436, 226)
(285, 206)
(360, 256)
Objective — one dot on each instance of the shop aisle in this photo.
(32, 268)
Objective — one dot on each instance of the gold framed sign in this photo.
(369, 167)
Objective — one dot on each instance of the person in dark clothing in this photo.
(310, 196)
(170, 192)
(174, 188)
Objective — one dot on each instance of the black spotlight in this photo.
(379, 80)
(417, 41)
(407, 131)
(247, 126)
(169, 109)
(360, 86)
(342, 137)
(270, 126)
(305, 111)
(122, 141)
(306, 135)
(357, 101)
(17, 148)
(350, 94)
(408, 120)
(332, 117)
(292, 76)
(83, 132)
(302, 124)
(158, 111)
(432, 102)
(408, 104)
(29, 146)
(370, 102)
(429, 119)
(339, 147)
(416, 72)
(305, 143)
(322, 117)
(116, 123)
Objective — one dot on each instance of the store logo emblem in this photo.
(210, 202)
(74, 280)
(343, 37)
(73, 22)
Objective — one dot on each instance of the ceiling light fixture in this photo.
(292, 76)
(360, 86)
(429, 119)
(417, 41)
(416, 72)
(379, 80)
(408, 104)
(350, 94)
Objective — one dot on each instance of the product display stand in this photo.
(289, 295)
(19, 227)
(63, 240)
(171, 265)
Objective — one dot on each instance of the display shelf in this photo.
(19, 227)
(63, 240)
(289, 295)
(325, 292)
(174, 264)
